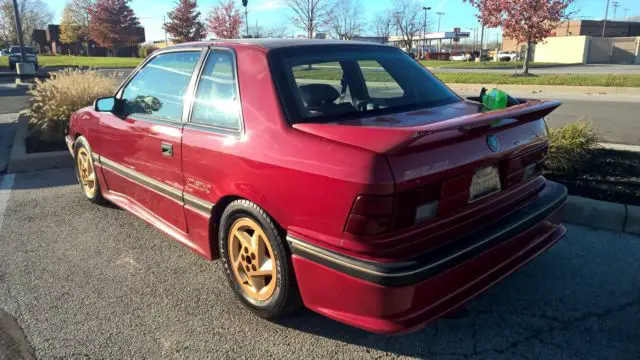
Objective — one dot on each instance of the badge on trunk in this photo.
(493, 143)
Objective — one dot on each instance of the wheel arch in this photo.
(216, 217)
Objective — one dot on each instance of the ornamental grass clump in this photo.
(55, 99)
(570, 145)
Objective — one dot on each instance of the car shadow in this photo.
(424, 343)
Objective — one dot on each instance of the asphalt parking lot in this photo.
(91, 282)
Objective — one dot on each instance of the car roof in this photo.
(271, 44)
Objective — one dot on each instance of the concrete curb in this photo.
(602, 214)
(20, 161)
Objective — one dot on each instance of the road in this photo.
(86, 281)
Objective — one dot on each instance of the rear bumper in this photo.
(402, 296)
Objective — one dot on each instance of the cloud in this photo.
(267, 5)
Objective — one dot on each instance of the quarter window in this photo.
(159, 88)
(217, 102)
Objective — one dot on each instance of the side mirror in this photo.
(106, 104)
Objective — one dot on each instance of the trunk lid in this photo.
(446, 154)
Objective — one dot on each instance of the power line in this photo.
(615, 5)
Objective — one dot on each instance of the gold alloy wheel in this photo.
(252, 259)
(86, 172)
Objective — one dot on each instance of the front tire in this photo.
(86, 172)
(256, 262)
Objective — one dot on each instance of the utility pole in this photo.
(164, 23)
(625, 13)
(424, 27)
(604, 24)
(19, 31)
(615, 5)
(246, 16)
(481, 40)
(439, 18)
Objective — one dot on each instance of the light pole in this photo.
(19, 31)
(475, 32)
(246, 17)
(439, 18)
(424, 27)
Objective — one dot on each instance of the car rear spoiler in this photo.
(389, 140)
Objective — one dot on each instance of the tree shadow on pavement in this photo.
(44, 179)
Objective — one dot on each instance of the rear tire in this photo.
(86, 172)
(262, 277)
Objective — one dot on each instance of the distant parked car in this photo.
(14, 56)
(508, 56)
(458, 57)
(4, 52)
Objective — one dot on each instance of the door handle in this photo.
(167, 149)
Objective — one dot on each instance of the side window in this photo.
(379, 82)
(217, 102)
(158, 89)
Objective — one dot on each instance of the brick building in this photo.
(47, 41)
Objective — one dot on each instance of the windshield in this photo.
(16, 50)
(331, 83)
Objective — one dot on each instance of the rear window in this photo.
(332, 83)
(16, 50)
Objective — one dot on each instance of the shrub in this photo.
(145, 50)
(54, 100)
(570, 145)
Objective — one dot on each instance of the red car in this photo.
(340, 175)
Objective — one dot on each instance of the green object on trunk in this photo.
(495, 99)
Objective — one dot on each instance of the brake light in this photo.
(375, 215)
(370, 215)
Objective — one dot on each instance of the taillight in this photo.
(524, 168)
(416, 205)
(370, 215)
(376, 215)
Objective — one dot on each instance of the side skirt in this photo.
(140, 211)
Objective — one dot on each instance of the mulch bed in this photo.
(35, 144)
(608, 175)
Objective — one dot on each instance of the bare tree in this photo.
(276, 32)
(406, 16)
(382, 24)
(347, 19)
(35, 14)
(309, 15)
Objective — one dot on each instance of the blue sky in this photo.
(273, 12)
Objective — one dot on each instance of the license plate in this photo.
(485, 182)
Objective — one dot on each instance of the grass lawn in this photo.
(480, 65)
(473, 78)
(93, 61)
(563, 79)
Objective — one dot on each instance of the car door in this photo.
(211, 136)
(140, 148)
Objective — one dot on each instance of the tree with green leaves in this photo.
(74, 26)
(184, 22)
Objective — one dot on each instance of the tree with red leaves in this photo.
(184, 22)
(528, 21)
(113, 23)
(224, 20)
